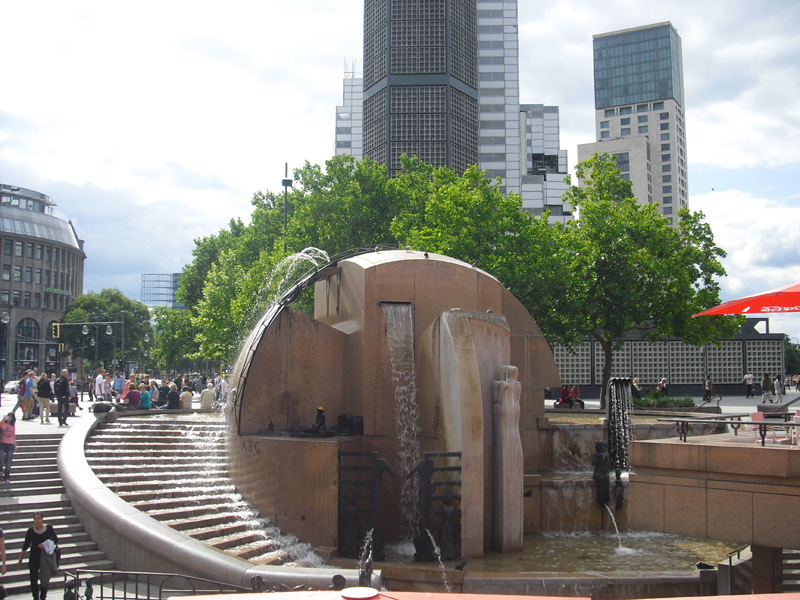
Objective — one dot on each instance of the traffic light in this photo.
(55, 332)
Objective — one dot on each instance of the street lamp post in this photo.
(286, 183)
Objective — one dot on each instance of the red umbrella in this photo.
(779, 300)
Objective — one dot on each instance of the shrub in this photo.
(660, 400)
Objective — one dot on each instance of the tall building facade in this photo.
(640, 112)
(446, 91)
(420, 82)
(158, 289)
(42, 273)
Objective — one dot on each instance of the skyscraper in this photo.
(441, 81)
(420, 82)
(639, 112)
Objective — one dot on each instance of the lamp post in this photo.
(286, 183)
(5, 318)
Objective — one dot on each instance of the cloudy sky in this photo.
(153, 123)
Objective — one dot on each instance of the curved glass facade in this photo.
(41, 272)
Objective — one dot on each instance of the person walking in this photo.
(45, 392)
(35, 539)
(748, 384)
(99, 393)
(777, 386)
(708, 388)
(29, 396)
(8, 444)
(61, 389)
(766, 389)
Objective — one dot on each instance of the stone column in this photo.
(508, 463)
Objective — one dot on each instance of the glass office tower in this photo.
(639, 112)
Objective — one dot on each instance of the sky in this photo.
(152, 124)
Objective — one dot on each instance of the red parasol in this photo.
(779, 300)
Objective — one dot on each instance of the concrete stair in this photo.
(36, 486)
(174, 471)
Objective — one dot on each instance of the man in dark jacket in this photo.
(61, 390)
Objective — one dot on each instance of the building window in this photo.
(29, 250)
(604, 124)
(7, 244)
(666, 179)
(605, 134)
(664, 137)
(664, 126)
(38, 252)
(47, 253)
(18, 249)
(26, 300)
(666, 157)
(17, 273)
(610, 112)
(6, 272)
(5, 297)
(15, 299)
(665, 147)
(28, 274)
(666, 200)
(666, 168)
(663, 116)
(667, 210)
(642, 128)
(46, 301)
(37, 300)
(625, 131)
(667, 189)
(658, 106)
(37, 276)
(625, 121)
(642, 118)
(626, 110)
(642, 108)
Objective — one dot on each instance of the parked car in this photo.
(11, 387)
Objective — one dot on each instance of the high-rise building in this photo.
(158, 289)
(452, 103)
(640, 112)
(420, 82)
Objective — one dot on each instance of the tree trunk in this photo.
(608, 350)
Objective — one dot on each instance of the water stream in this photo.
(400, 345)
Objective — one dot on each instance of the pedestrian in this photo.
(30, 396)
(8, 443)
(119, 384)
(208, 397)
(748, 384)
(99, 394)
(662, 387)
(708, 388)
(61, 389)
(45, 392)
(777, 385)
(145, 399)
(36, 539)
(766, 389)
(173, 397)
(73, 398)
(20, 397)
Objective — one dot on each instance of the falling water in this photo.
(366, 550)
(620, 413)
(400, 343)
(438, 553)
(614, 521)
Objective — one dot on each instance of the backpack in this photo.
(22, 388)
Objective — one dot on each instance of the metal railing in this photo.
(129, 585)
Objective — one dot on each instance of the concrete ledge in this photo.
(137, 542)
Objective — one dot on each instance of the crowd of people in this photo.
(42, 397)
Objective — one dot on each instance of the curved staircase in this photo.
(172, 468)
(36, 486)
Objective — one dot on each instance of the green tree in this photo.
(109, 305)
(626, 268)
(175, 339)
(792, 353)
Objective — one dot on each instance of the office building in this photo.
(452, 105)
(42, 274)
(158, 289)
(640, 112)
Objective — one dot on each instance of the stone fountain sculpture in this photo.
(471, 367)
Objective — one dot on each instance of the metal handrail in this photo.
(142, 585)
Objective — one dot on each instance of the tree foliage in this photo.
(626, 268)
(621, 266)
(108, 305)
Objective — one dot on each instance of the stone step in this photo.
(174, 454)
(235, 540)
(188, 512)
(205, 533)
(68, 542)
(148, 486)
(221, 518)
(108, 475)
(185, 502)
(66, 524)
(31, 488)
(152, 499)
(11, 507)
